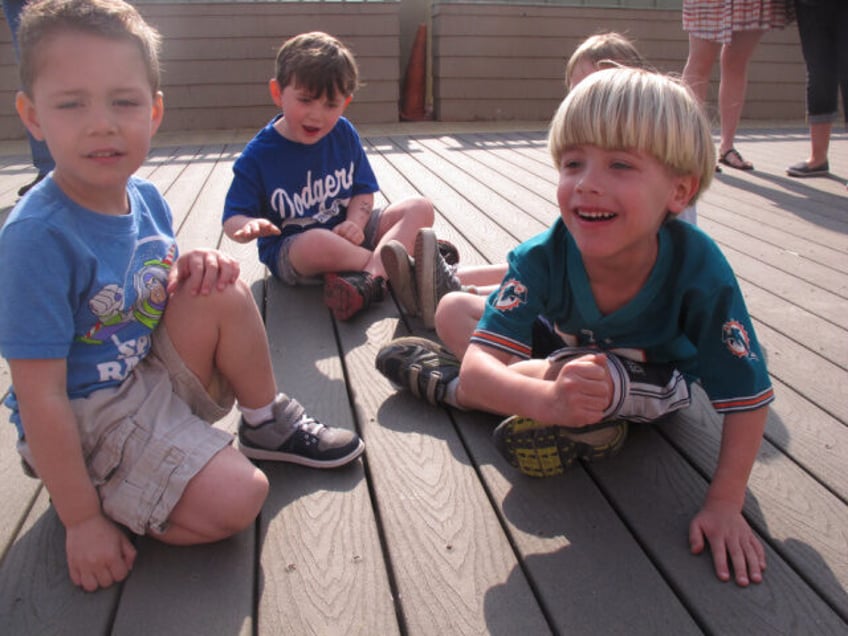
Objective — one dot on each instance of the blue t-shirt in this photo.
(84, 286)
(298, 186)
(690, 312)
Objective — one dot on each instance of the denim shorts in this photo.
(144, 440)
(290, 276)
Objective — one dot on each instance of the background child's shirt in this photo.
(298, 186)
(84, 286)
(690, 312)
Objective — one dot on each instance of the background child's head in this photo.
(603, 50)
(318, 63)
(42, 19)
(635, 109)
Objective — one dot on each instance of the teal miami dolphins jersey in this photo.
(690, 313)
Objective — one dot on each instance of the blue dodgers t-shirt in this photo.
(298, 186)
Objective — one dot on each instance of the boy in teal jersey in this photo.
(608, 316)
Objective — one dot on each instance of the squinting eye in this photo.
(125, 103)
(67, 105)
(619, 165)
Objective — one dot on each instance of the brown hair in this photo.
(318, 63)
(42, 19)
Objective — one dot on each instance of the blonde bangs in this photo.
(634, 109)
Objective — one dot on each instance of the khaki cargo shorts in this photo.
(144, 440)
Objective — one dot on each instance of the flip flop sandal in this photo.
(733, 159)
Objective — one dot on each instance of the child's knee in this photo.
(226, 496)
(255, 492)
(421, 209)
(240, 510)
(459, 306)
(248, 496)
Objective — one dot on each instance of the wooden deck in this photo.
(432, 533)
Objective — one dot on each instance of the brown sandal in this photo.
(733, 159)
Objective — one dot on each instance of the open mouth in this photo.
(104, 154)
(593, 216)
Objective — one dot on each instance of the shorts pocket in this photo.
(107, 453)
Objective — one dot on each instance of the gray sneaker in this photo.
(293, 436)
(419, 365)
(433, 276)
(399, 270)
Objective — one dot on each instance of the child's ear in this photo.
(276, 92)
(158, 112)
(26, 111)
(684, 190)
(348, 100)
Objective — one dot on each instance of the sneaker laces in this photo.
(309, 425)
(446, 280)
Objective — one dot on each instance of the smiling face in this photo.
(614, 201)
(92, 102)
(306, 118)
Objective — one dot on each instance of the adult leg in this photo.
(839, 30)
(699, 64)
(819, 44)
(734, 81)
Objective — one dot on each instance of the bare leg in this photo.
(456, 318)
(699, 64)
(320, 251)
(819, 143)
(225, 331)
(485, 278)
(734, 82)
(401, 222)
(223, 499)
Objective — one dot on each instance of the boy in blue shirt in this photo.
(605, 318)
(121, 350)
(304, 189)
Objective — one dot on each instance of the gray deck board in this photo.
(431, 532)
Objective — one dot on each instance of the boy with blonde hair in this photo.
(421, 281)
(121, 350)
(607, 317)
(602, 50)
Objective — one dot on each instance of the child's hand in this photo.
(254, 229)
(202, 270)
(99, 553)
(728, 534)
(582, 391)
(350, 231)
